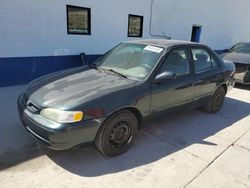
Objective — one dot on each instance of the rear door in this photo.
(207, 73)
(173, 94)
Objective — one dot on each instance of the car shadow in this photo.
(154, 142)
(17, 145)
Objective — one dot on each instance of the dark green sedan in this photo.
(136, 82)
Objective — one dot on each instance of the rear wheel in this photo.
(117, 133)
(216, 101)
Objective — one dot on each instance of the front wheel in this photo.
(216, 101)
(117, 133)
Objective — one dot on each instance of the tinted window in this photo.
(202, 60)
(177, 62)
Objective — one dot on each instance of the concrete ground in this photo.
(194, 149)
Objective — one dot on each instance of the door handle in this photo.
(185, 86)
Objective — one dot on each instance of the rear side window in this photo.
(202, 60)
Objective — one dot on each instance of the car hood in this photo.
(68, 89)
(237, 57)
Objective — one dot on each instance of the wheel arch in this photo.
(137, 114)
(224, 85)
(131, 109)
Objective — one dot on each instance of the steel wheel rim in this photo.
(121, 134)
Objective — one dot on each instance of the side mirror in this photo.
(167, 75)
(226, 50)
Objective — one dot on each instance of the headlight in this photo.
(61, 116)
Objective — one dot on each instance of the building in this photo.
(39, 37)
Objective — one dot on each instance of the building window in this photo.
(78, 20)
(135, 25)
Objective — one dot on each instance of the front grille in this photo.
(240, 68)
(31, 107)
(247, 77)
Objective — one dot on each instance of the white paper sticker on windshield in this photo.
(153, 49)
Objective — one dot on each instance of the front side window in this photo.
(135, 26)
(130, 59)
(78, 20)
(202, 60)
(177, 62)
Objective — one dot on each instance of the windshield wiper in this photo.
(112, 70)
(94, 66)
(118, 73)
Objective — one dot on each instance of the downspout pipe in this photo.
(150, 24)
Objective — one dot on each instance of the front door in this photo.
(173, 94)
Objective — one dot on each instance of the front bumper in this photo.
(57, 136)
(242, 73)
(243, 78)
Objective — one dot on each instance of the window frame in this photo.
(89, 19)
(141, 25)
(185, 48)
(212, 57)
(215, 59)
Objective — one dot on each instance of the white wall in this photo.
(39, 28)
(224, 22)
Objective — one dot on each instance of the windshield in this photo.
(241, 48)
(131, 60)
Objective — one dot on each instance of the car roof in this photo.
(161, 42)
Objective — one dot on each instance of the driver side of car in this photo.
(177, 92)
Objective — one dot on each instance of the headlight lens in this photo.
(61, 116)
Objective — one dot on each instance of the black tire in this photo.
(117, 133)
(216, 101)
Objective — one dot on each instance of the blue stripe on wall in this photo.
(21, 70)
